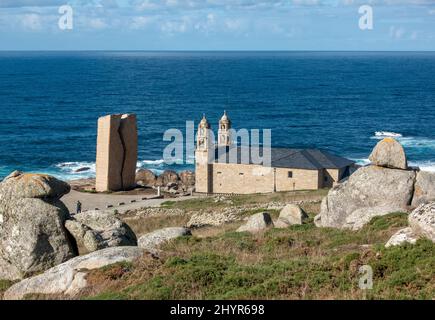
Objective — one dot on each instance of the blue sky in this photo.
(217, 25)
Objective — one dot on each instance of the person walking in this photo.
(79, 207)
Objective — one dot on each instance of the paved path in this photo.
(91, 201)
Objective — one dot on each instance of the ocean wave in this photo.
(76, 167)
(385, 134)
(361, 162)
(82, 169)
(422, 143)
(423, 165)
(428, 166)
(150, 162)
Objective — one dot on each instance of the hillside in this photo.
(299, 262)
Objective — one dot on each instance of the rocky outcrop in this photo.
(168, 177)
(145, 178)
(402, 236)
(422, 221)
(116, 153)
(152, 241)
(371, 191)
(256, 223)
(290, 215)
(32, 233)
(376, 190)
(70, 277)
(8, 271)
(20, 185)
(424, 188)
(187, 179)
(95, 230)
(169, 181)
(390, 154)
(421, 225)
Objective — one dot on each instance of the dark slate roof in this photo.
(311, 159)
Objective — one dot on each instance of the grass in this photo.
(4, 285)
(141, 226)
(299, 262)
(240, 200)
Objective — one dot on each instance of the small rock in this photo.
(402, 236)
(389, 153)
(82, 169)
(291, 214)
(318, 221)
(166, 178)
(146, 178)
(257, 222)
(152, 241)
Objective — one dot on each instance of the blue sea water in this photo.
(50, 102)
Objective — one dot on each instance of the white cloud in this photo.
(31, 22)
(97, 23)
(397, 33)
(175, 26)
(140, 22)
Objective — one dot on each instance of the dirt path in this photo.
(121, 203)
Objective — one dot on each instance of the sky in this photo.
(402, 25)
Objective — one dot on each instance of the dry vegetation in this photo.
(300, 262)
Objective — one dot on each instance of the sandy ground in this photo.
(91, 201)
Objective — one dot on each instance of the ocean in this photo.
(343, 102)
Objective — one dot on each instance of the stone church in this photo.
(289, 169)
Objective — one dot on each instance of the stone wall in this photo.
(331, 176)
(248, 179)
(300, 180)
(202, 172)
(241, 178)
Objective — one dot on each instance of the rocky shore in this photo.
(147, 182)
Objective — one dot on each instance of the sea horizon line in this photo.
(213, 51)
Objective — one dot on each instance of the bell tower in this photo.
(203, 160)
(224, 135)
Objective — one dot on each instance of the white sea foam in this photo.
(82, 169)
(361, 162)
(423, 165)
(150, 162)
(407, 141)
(76, 167)
(384, 134)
